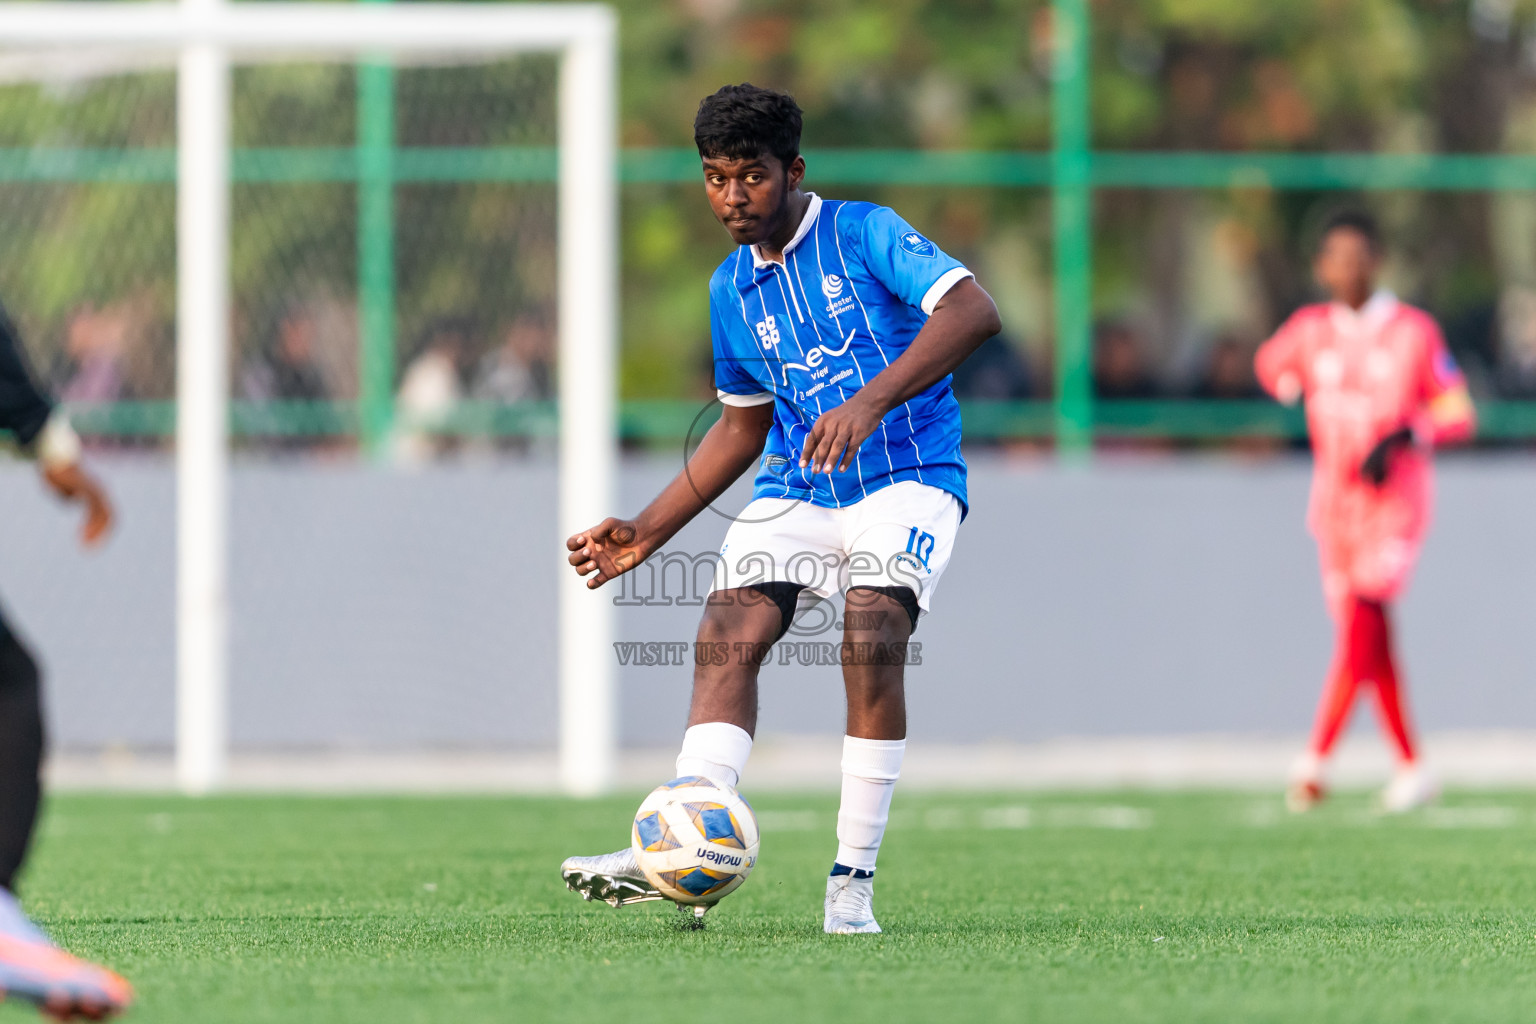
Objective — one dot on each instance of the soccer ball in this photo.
(696, 840)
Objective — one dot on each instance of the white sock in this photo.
(716, 750)
(870, 771)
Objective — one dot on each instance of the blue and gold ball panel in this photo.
(655, 835)
(696, 881)
(716, 824)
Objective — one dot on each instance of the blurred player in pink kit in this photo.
(1381, 392)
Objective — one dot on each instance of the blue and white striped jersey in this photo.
(856, 285)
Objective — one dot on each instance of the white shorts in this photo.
(900, 536)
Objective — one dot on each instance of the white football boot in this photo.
(613, 878)
(850, 907)
(1411, 788)
(1307, 788)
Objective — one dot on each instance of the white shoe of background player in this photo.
(1306, 789)
(613, 878)
(850, 908)
(1412, 787)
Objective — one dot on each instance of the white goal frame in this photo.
(205, 34)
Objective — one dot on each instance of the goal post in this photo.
(202, 413)
(209, 36)
(587, 289)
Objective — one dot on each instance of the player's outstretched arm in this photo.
(615, 546)
(964, 318)
(1452, 417)
(43, 430)
(1276, 366)
(70, 481)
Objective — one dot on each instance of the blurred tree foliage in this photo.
(1304, 76)
(1183, 266)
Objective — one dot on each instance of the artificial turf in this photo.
(1053, 907)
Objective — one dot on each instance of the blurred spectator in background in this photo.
(95, 342)
(997, 370)
(287, 370)
(1120, 363)
(1517, 343)
(521, 369)
(1228, 377)
(1228, 372)
(431, 388)
(1472, 335)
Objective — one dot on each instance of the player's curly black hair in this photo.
(743, 121)
(1355, 220)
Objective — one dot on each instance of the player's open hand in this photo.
(609, 549)
(834, 440)
(72, 483)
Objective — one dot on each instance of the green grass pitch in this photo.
(1051, 907)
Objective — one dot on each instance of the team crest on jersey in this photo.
(1446, 370)
(839, 297)
(768, 333)
(917, 245)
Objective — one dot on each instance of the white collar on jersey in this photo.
(1378, 309)
(804, 229)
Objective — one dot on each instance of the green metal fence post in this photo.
(1072, 219)
(376, 248)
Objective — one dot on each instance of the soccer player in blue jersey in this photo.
(835, 327)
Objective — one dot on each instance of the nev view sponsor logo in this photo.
(815, 364)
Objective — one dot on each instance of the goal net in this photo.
(310, 321)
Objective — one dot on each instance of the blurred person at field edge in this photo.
(1381, 392)
(1121, 373)
(430, 389)
(1120, 364)
(1228, 375)
(1517, 343)
(287, 370)
(521, 369)
(31, 966)
(95, 341)
(996, 371)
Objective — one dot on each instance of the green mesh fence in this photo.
(393, 249)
